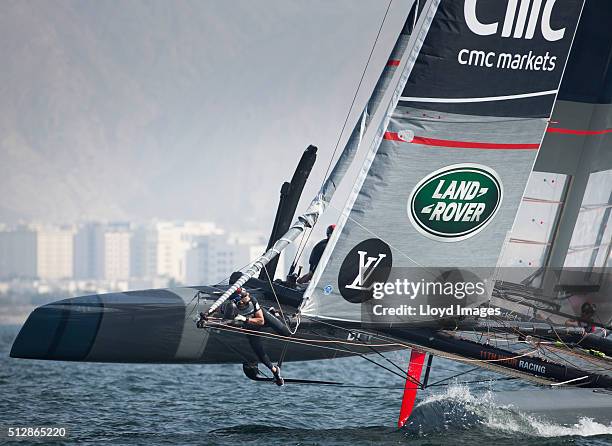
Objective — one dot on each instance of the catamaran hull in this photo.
(155, 326)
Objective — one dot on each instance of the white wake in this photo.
(458, 404)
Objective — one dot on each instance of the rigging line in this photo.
(591, 368)
(357, 386)
(235, 350)
(365, 69)
(216, 285)
(454, 376)
(199, 292)
(543, 350)
(516, 331)
(352, 332)
(284, 351)
(282, 355)
(292, 339)
(578, 351)
(196, 295)
(349, 330)
(301, 246)
(413, 346)
(297, 325)
(385, 358)
(564, 344)
(436, 119)
(570, 381)
(298, 251)
(276, 297)
(345, 350)
(481, 381)
(462, 359)
(381, 238)
(403, 375)
(509, 358)
(373, 335)
(204, 338)
(594, 366)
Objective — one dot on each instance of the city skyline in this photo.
(123, 255)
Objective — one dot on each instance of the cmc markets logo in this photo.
(455, 202)
(520, 19)
(367, 263)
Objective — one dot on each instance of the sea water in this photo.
(216, 405)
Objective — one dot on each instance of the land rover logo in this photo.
(455, 202)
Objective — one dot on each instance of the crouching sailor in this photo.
(244, 310)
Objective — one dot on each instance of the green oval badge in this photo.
(455, 202)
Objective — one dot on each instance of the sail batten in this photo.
(479, 99)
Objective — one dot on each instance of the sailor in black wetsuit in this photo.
(587, 320)
(246, 311)
(315, 255)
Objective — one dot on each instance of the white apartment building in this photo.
(146, 255)
(115, 240)
(212, 259)
(160, 249)
(102, 251)
(18, 253)
(37, 251)
(54, 257)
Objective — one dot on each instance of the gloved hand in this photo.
(240, 318)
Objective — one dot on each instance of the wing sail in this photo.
(441, 188)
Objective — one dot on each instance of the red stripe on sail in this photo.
(415, 366)
(393, 63)
(578, 132)
(393, 136)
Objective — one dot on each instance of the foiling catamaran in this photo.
(461, 115)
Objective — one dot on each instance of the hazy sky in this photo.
(182, 109)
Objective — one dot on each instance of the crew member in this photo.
(315, 255)
(586, 320)
(244, 310)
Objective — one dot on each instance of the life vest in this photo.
(251, 308)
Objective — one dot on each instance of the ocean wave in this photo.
(457, 408)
